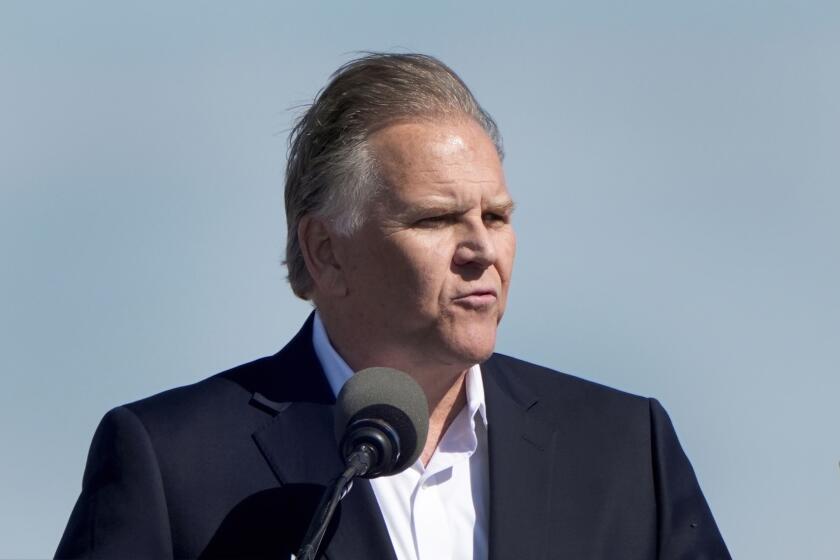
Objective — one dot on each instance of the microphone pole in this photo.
(357, 465)
(381, 423)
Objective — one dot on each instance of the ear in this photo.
(318, 248)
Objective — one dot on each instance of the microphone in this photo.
(381, 424)
(381, 421)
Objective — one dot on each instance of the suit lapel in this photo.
(521, 450)
(299, 445)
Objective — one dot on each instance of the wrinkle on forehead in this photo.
(440, 138)
(438, 159)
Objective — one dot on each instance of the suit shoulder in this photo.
(563, 389)
(220, 394)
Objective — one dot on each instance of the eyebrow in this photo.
(505, 206)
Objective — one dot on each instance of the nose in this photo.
(476, 246)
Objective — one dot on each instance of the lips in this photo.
(477, 299)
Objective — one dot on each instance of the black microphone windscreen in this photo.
(390, 395)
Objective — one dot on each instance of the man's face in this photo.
(428, 274)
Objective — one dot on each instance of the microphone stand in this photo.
(357, 464)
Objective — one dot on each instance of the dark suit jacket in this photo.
(234, 466)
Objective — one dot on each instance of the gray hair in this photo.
(331, 173)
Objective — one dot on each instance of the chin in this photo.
(475, 349)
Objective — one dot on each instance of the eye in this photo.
(495, 218)
(436, 221)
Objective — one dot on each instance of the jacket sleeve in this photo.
(686, 526)
(121, 511)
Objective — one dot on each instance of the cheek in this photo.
(431, 265)
(423, 269)
(415, 268)
(506, 246)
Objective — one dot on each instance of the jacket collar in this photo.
(299, 445)
(521, 455)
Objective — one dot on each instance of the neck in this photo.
(442, 411)
(444, 384)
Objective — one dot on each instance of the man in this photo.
(400, 234)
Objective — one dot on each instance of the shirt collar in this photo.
(335, 368)
(338, 372)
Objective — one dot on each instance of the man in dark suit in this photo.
(400, 234)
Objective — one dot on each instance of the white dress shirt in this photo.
(439, 511)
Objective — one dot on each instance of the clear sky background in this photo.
(676, 167)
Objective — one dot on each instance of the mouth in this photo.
(477, 299)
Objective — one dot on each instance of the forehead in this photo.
(449, 158)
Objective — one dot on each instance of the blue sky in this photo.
(675, 167)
